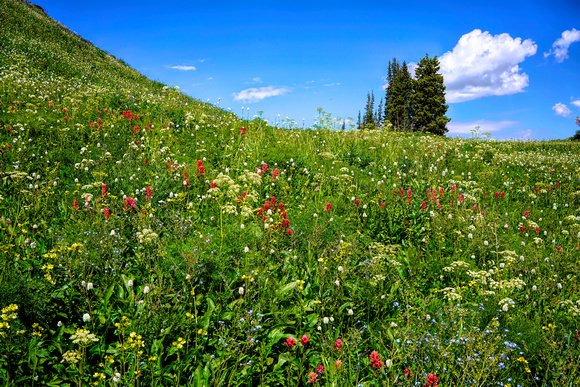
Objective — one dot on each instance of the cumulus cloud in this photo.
(560, 46)
(482, 65)
(576, 103)
(183, 68)
(459, 128)
(254, 94)
(561, 109)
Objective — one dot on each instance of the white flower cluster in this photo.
(147, 236)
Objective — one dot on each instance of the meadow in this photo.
(150, 239)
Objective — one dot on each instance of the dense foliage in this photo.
(150, 239)
(412, 104)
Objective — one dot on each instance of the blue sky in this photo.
(511, 67)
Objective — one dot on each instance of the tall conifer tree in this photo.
(429, 106)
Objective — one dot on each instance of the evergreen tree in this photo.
(358, 122)
(343, 125)
(379, 115)
(368, 119)
(429, 106)
(392, 72)
(401, 107)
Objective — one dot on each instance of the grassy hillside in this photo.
(151, 239)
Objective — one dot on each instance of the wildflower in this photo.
(246, 249)
(146, 290)
(356, 202)
(407, 372)
(86, 317)
(340, 268)
(320, 369)
(130, 283)
(241, 291)
(325, 320)
(107, 213)
(350, 312)
(388, 363)
(376, 361)
(304, 340)
(423, 206)
(90, 286)
(338, 364)
(337, 283)
(290, 342)
(313, 377)
(328, 207)
(432, 380)
(75, 205)
(243, 130)
(289, 232)
(338, 344)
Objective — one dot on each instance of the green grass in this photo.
(195, 283)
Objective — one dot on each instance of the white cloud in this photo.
(576, 103)
(257, 79)
(333, 84)
(183, 68)
(254, 94)
(560, 46)
(459, 128)
(482, 64)
(561, 110)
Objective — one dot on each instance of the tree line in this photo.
(411, 104)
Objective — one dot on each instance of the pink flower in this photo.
(423, 206)
(304, 339)
(148, 193)
(289, 231)
(559, 248)
(107, 213)
(461, 197)
(338, 344)
(104, 190)
(376, 361)
(75, 205)
(320, 369)
(356, 202)
(338, 364)
(313, 377)
(527, 213)
(432, 380)
(290, 342)
(242, 130)
(328, 207)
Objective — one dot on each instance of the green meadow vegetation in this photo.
(150, 239)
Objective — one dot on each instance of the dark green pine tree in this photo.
(392, 72)
(401, 106)
(358, 124)
(429, 106)
(368, 119)
(343, 125)
(379, 114)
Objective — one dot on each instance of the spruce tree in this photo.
(392, 72)
(379, 115)
(401, 107)
(368, 119)
(429, 106)
(358, 122)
